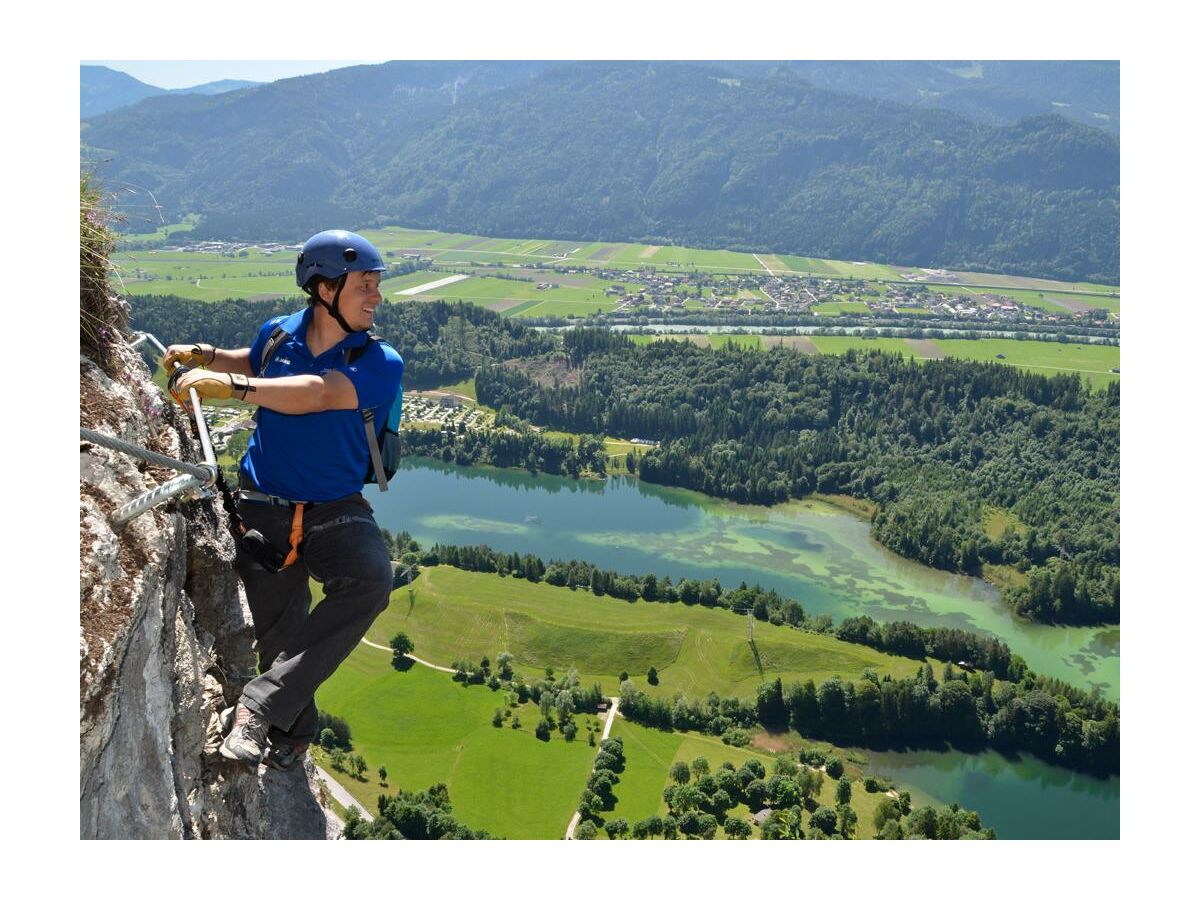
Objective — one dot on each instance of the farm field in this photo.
(1092, 361)
(455, 614)
(700, 340)
(752, 341)
(563, 300)
(447, 248)
(427, 728)
(650, 752)
(389, 287)
(160, 234)
(217, 288)
(838, 344)
(840, 307)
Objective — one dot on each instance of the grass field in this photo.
(466, 388)
(840, 307)
(426, 728)
(563, 301)
(456, 614)
(838, 344)
(752, 341)
(1092, 361)
(160, 234)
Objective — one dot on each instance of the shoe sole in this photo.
(229, 754)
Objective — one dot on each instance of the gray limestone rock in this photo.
(165, 643)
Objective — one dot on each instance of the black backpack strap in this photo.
(278, 336)
(368, 417)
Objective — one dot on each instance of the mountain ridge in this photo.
(673, 153)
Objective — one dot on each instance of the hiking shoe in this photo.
(284, 756)
(247, 739)
(226, 719)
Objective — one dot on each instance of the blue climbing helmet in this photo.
(334, 254)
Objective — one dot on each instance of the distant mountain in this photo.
(713, 155)
(102, 89)
(995, 92)
(217, 87)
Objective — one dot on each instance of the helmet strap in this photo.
(333, 307)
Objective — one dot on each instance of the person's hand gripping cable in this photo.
(185, 365)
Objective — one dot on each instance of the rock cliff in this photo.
(165, 639)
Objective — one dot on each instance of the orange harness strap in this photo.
(296, 536)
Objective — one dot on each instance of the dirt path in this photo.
(415, 659)
(612, 714)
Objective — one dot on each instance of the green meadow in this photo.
(840, 307)
(838, 344)
(562, 300)
(751, 341)
(1091, 361)
(426, 728)
(455, 614)
(159, 235)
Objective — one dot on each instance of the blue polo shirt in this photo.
(318, 456)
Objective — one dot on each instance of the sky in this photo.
(176, 73)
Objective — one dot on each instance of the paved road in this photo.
(612, 714)
(341, 795)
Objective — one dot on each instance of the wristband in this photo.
(240, 383)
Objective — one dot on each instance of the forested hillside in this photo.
(944, 448)
(664, 152)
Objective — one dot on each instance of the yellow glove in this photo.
(209, 385)
(191, 355)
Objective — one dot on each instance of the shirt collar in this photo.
(297, 326)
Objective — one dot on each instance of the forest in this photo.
(943, 448)
(1036, 715)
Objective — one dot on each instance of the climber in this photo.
(301, 482)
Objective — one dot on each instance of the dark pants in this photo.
(298, 649)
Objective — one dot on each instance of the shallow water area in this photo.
(818, 554)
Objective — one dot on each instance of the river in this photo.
(818, 554)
